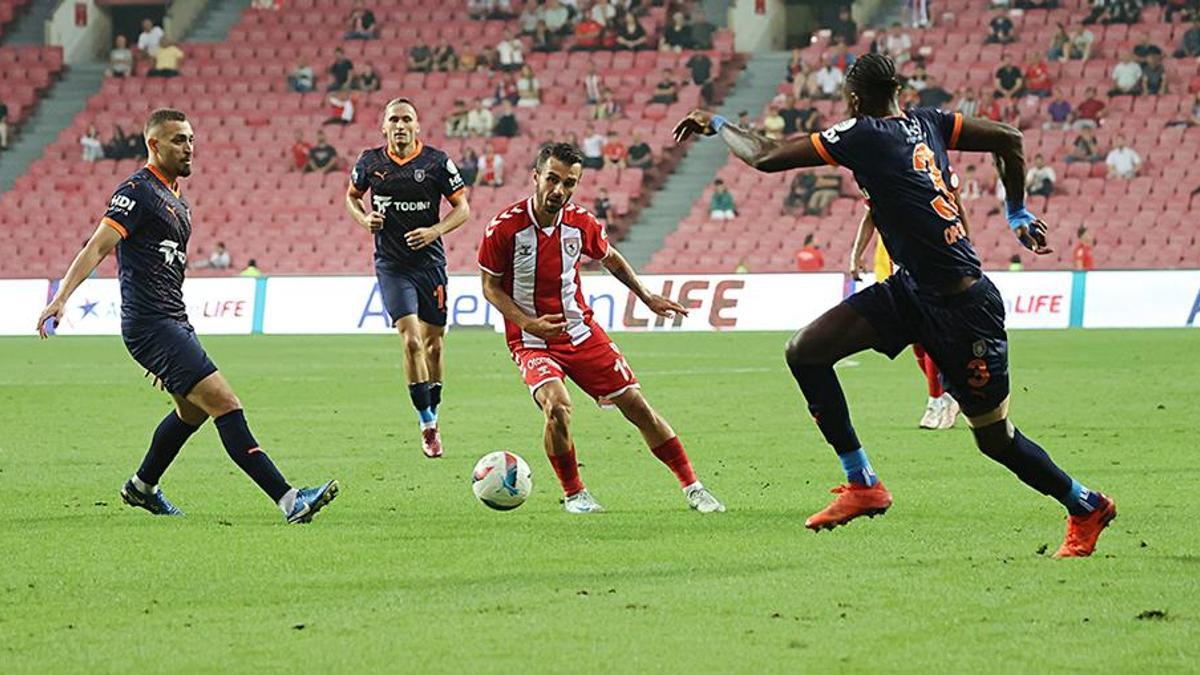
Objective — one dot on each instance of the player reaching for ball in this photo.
(939, 297)
(530, 259)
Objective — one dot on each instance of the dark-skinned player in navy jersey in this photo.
(149, 222)
(939, 297)
(408, 180)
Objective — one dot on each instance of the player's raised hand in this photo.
(374, 221)
(421, 237)
(53, 311)
(665, 307)
(546, 326)
(698, 122)
(1033, 237)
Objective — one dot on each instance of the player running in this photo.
(149, 223)
(530, 268)
(941, 410)
(939, 297)
(407, 180)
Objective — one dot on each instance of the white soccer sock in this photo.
(288, 501)
(142, 487)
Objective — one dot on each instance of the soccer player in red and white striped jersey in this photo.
(530, 259)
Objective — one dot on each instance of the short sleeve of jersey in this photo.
(949, 125)
(449, 180)
(848, 143)
(360, 176)
(125, 209)
(495, 251)
(595, 238)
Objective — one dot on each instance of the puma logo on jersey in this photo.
(381, 175)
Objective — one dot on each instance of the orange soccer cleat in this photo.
(1083, 531)
(853, 500)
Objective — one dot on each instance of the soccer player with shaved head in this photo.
(407, 181)
(149, 222)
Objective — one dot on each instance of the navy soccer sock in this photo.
(435, 396)
(827, 404)
(169, 437)
(1035, 468)
(419, 393)
(244, 451)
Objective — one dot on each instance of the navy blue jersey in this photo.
(408, 191)
(154, 223)
(902, 166)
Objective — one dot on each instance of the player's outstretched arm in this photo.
(372, 221)
(762, 153)
(423, 236)
(546, 326)
(103, 241)
(619, 267)
(866, 229)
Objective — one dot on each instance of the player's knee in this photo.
(433, 348)
(802, 350)
(413, 344)
(994, 440)
(558, 412)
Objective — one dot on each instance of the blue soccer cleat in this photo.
(157, 503)
(311, 500)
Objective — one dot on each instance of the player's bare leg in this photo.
(416, 368)
(555, 402)
(435, 339)
(811, 353)
(215, 398)
(142, 490)
(665, 445)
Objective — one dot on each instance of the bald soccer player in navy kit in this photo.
(940, 298)
(149, 222)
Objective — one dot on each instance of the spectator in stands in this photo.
(812, 191)
(302, 79)
(844, 29)
(919, 12)
(3, 126)
(1090, 112)
(1123, 161)
(367, 80)
(420, 57)
(667, 90)
(167, 59)
(1040, 179)
(1036, 4)
(720, 205)
(702, 31)
(810, 119)
(607, 108)
(841, 58)
(971, 189)
(361, 22)
(1037, 76)
(118, 146)
(631, 36)
(93, 149)
(796, 67)
(251, 269)
(589, 35)
(701, 67)
(602, 205)
(511, 54)
(544, 40)
(799, 192)
(898, 44)
(1145, 48)
(1059, 111)
(1015, 264)
(468, 166)
(614, 151)
(593, 85)
(219, 259)
(491, 168)
(506, 90)
(593, 148)
(557, 17)
(992, 109)
(809, 258)
(604, 13)
(149, 41)
(478, 9)
(773, 124)
(322, 157)
(640, 155)
(445, 60)
(968, 104)
(456, 120)
(501, 10)
(468, 61)
(529, 90)
(1010, 81)
(678, 34)
(934, 95)
(1185, 8)
(1127, 77)
(299, 151)
(1083, 255)
(1154, 76)
(829, 81)
(480, 120)
(790, 115)
(1190, 45)
(802, 79)
(1085, 147)
(1001, 29)
(529, 18)
(506, 122)
(1080, 46)
(340, 69)
(341, 109)
(917, 81)
(1059, 42)
(120, 59)
(745, 122)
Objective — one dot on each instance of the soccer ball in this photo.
(502, 480)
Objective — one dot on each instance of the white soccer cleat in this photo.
(703, 501)
(950, 412)
(933, 414)
(582, 503)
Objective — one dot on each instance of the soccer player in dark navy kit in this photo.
(408, 180)
(939, 298)
(149, 223)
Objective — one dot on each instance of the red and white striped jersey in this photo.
(540, 266)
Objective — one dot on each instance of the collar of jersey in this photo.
(162, 179)
(401, 161)
(533, 217)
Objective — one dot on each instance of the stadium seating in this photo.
(236, 92)
(25, 75)
(1140, 223)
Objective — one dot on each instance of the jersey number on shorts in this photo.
(440, 293)
(623, 368)
(943, 204)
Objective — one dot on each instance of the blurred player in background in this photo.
(149, 223)
(939, 297)
(408, 180)
(530, 259)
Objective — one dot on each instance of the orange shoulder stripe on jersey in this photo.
(958, 122)
(456, 195)
(401, 161)
(820, 146)
(116, 226)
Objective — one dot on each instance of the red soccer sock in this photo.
(671, 453)
(933, 378)
(567, 470)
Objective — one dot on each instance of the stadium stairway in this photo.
(217, 19)
(30, 28)
(755, 87)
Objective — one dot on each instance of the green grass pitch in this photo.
(406, 572)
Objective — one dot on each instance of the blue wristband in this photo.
(718, 122)
(1019, 216)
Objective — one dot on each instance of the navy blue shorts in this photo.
(964, 333)
(170, 351)
(413, 291)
